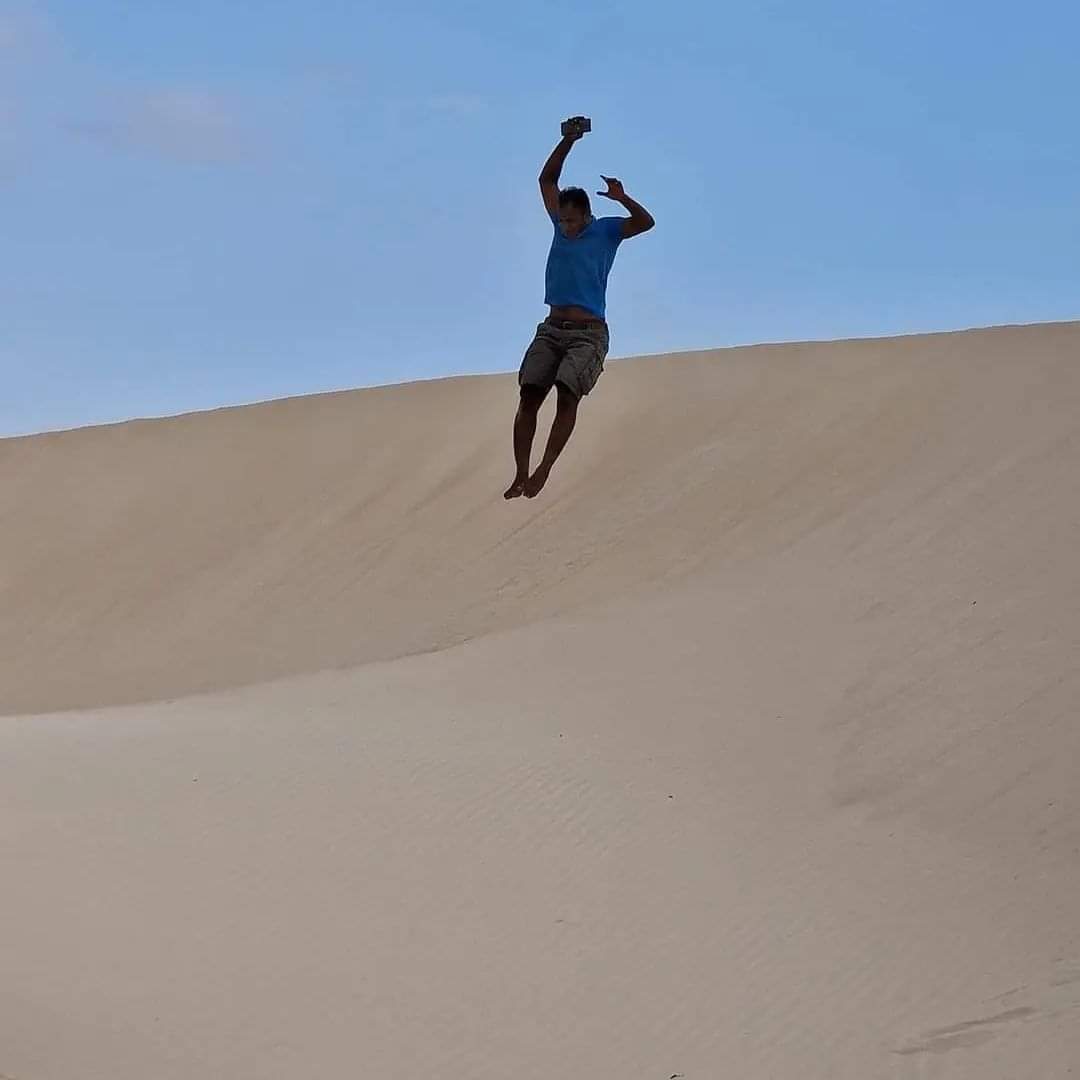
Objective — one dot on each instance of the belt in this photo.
(575, 324)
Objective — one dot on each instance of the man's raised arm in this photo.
(552, 170)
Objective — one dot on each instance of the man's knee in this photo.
(568, 398)
(532, 397)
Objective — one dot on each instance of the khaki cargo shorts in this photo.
(568, 353)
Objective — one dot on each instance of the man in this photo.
(570, 345)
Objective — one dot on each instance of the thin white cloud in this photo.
(188, 124)
(20, 39)
(12, 32)
(334, 76)
(459, 104)
(7, 138)
(24, 33)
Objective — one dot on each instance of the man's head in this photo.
(574, 210)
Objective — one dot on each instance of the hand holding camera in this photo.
(575, 127)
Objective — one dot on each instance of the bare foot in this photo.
(535, 484)
(516, 489)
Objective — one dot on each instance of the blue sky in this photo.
(217, 202)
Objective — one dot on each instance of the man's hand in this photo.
(575, 131)
(615, 189)
(640, 220)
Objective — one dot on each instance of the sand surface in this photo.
(749, 750)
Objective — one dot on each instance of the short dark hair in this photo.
(575, 196)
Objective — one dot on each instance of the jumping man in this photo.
(571, 343)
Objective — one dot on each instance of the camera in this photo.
(576, 125)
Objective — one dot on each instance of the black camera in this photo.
(576, 125)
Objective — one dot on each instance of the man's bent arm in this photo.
(639, 221)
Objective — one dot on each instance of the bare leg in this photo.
(561, 429)
(532, 397)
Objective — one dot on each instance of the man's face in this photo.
(572, 219)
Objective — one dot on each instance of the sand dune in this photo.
(748, 749)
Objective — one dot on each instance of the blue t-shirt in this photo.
(577, 269)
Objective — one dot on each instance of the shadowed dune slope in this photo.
(157, 558)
